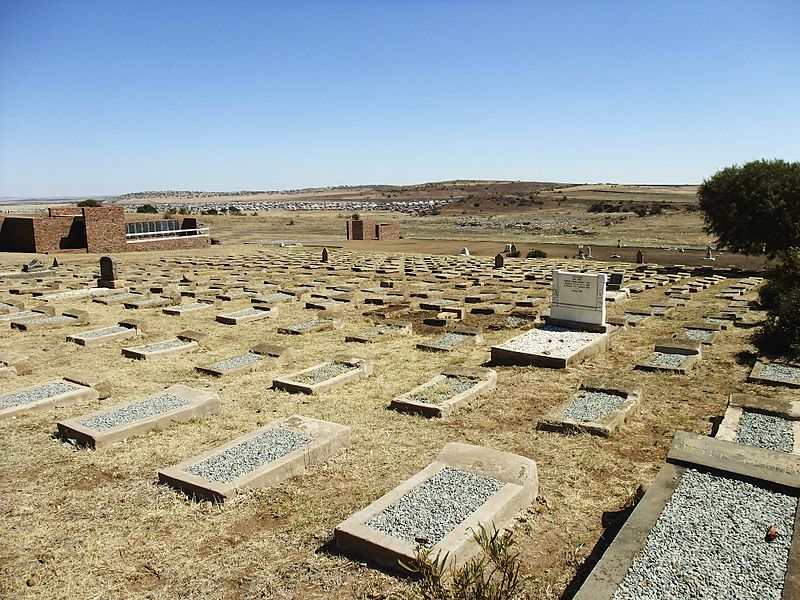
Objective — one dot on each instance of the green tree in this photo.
(89, 202)
(147, 208)
(780, 295)
(754, 208)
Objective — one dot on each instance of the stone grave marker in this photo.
(96, 337)
(109, 273)
(262, 356)
(578, 300)
(770, 423)
(324, 376)
(43, 396)
(672, 355)
(499, 261)
(186, 341)
(445, 393)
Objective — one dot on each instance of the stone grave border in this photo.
(231, 319)
(320, 324)
(504, 357)
(193, 341)
(689, 348)
(327, 439)
(272, 356)
(200, 404)
(133, 328)
(13, 364)
(175, 311)
(727, 459)
(400, 328)
(714, 329)
(474, 337)
(485, 382)
(786, 408)
(83, 392)
(757, 374)
(518, 473)
(361, 368)
(554, 420)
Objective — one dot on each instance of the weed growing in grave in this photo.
(493, 575)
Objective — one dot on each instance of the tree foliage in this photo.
(755, 207)
(780, 295)
(89, 202)
(147, 208)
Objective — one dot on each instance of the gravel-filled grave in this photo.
(247, 312)
(98, 333)
(448, 340)
(236, 362)
(710, 542)
(781, 372)
(34, 394)
(325, 372)
(138, 411)
(666, 360)
(250, 455)
(159, 346)
(698, 335)
(25, 314)
(433, 509)
(442, 391)
(590, 405)
(50, 320)
(765, 431)
(277, 297)
(551, 340)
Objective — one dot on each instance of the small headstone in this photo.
(499, 261)
(588, 252)
(513, 249)
(615, 281)
(507, 248)
(709, 255)
(55, 263)
(34, 265)
(325, 255)
(464, 252)
(109, 273)
(639, 257)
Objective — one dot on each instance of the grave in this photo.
(550, 346)
(122, 331)
(313, 325)
(176, 404)
(239, 317)
(445, 393)
(441, 507)
(672, 356)
(382, 331)
(151, 302)
(57, 393)
(705, 333)
(190, 308)
(262, 356)
(65, 319)
(110, 274)
(186, 341)
(259, 459)
(14, 364)
(324, 376)
(451, 340)
(775, 373)
(771, 423)
(703, 528)
(598, 407)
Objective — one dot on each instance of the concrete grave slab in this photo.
(672, 355)
(500, 484)
(775, 373)
(65, 319)
(772, 423)
(262, 356)
(449, 341)
(312, 326)
(104, 335)
(259, 459)
(190, 308)
(185, 341)
(176, 404)
(12, 364)
(382, 331)
(324, 376)
(598, 407)
(446, 392)
(44, 396)
(247, 315)
(666, 562)
(552, 347)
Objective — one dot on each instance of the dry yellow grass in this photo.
(96, 524)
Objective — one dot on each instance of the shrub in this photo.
(147, 208)
(355, 217)
(514, 254)
(494, 575)
(780, 295)
(291, 222)
(210, 211)
(89, 202)
(536, 254)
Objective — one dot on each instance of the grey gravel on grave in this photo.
(192, 306)
(512, 322)
(274, 297)
(26, 314)
(250, 455)
(158, 346)
(305, 324)
(97, 333)
(666, 359)
(247, 312)
(325, 372)
(433, 509)
(698, 335)
(50, 320)
(131, 413)
(551, 340)
(237, 361)
(781, 372)
(40, 392)
(591, 405)
(765, 431)
(632, 318)
(449, 339)
(442, 391)
(710, 542)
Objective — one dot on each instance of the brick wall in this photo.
(52, 234)
(361, 229)
(178, 243)
(16, 235)
(388, 231)
(65, 211)
(105, 229)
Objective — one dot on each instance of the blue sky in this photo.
(108, 97)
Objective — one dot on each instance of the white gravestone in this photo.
(579, 297)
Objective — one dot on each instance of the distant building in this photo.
(367, 229)
(97, 229)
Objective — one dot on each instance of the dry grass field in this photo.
(96, 524)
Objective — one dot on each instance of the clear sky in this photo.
(106, 97)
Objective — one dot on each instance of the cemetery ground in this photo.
(81, 523)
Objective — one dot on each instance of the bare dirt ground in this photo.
(96, 524)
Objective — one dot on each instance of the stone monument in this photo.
(579, 301)
(499, 261)
(109, 273)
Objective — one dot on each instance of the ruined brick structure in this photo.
(93, 229)
(367, 229)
